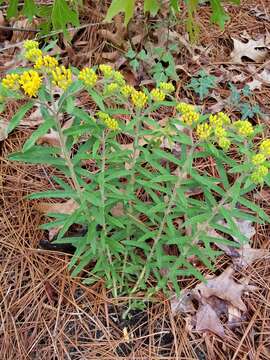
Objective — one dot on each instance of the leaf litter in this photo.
(221, 295)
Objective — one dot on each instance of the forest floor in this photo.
(46, 314)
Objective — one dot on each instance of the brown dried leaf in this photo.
(253, 49)
(207, 320)
(225, 288)
(67, 207)
(118, 210)
(53, 137)
(260, 79)
(34, 119)
(3, 129)
(182, 303)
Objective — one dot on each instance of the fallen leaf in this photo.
(252, 49)
(262, 78)
(34, 119)
(3, 129)
(225, 288)
(118, 210)
(67, 207)
(207, 320)
(53, 137)
(183, 303)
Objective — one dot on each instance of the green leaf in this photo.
(19, 116)
(117, 6)
(12, 8)
(53, 194)
(152, 6)
(29, 9)
(175, 5)
(42, 130)
(62, 15)
(219, 15)
(97, 99)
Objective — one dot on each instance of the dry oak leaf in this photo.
(67, 207)
(253, 49)
(260, 79)
(207, 320)
(224, 287)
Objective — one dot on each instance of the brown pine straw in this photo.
(46, 314)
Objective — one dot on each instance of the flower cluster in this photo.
(106, 70)
(30, 82)
(189, 114)
(111, 88)
(219, 122)
(46, 63)
(62, 77)
(33, 54)
(138, 99)
(258, 160)
(88, 76)
(244, 127)
(127, 90)
(11, 81)
(204, 131)
(157, 95)
(166, 87)
(108, 121)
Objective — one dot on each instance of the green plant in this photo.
(159, 62)
(241, 102)
(56, 15)
(219, 15)
(202, 84)
(144, 220)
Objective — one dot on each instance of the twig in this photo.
(12, 28)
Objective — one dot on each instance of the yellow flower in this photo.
(111, 88)
(224, 143)
(30, 82)
(220, 132)
(259, 174)
(138, 99)
(119, 78)
(190, 117)
(108, 121)
(166, 87)
(88, 76)
(46, 63)
(204, 131)
(157, 95)
(62, 77)
(127, 90)
(258, 159)
(219, 119)
(33, 54)
(265, 147)
(185, 108)
(30, 44)
(11, 81)
(244, 127)
(106, 70)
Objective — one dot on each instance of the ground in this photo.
(46, 314)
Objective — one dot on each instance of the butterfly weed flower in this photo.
(138, 99)
(243, 127)
(88, 77)
(118, 78)
(265, 147)
(62, 77)
(190, 117)
(30, 82)
(166, 87)
(11, 81)
(46, 63)
(111, 89)
(127, 90)
(259, 174)
(185, 108)
(157, 95)
(203, 131)
(30, 44)
(224, 143)
(33, 54)
(108, 121)
(258, 159)
(106, 70)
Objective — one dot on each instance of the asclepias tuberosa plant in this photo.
(169, 209)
